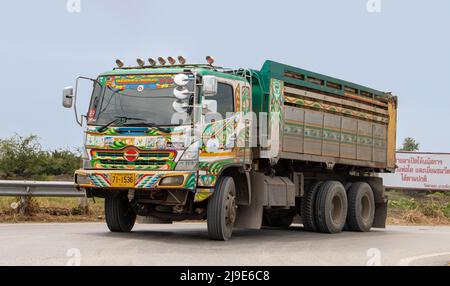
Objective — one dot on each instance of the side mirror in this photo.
(209, 106)
(209, 85)
(68, 97)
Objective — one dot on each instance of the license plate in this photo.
(122, 180)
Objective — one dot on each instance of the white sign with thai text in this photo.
(417, 170)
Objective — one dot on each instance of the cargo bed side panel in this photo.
(332, 121)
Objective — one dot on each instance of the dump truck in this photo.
(240, 148)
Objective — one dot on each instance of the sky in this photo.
(402, 47)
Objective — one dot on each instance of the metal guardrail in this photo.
(39, 189)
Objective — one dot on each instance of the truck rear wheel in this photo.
(119, 215)
(361, 207)
(331, 207)
(307, 212)
(222, 209)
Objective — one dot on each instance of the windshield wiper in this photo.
(119, 121)
(143, 123)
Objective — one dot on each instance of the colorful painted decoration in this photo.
(140, 82)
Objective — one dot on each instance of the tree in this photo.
(409, 144)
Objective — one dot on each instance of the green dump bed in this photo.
(313, 117)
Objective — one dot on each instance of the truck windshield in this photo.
(144, 99)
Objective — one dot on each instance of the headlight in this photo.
(186, 166)
(172, 181)
(191, 153)
(188, 160)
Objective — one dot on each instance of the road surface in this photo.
(187, 244)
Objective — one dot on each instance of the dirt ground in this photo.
(51, 210)
(419, 207)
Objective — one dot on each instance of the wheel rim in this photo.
(336, 209)
(230, 210)
(365, 208)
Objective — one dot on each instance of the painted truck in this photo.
(241, 148)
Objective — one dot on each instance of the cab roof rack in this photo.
(172, 63)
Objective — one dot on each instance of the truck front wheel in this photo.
(331, 207)
(222, 209)
(361, 207)
(119, 215)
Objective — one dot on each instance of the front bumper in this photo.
(142, 179)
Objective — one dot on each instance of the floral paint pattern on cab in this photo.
(148, 81)
(157, 148)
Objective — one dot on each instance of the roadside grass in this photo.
(418, 207)
(45, 209)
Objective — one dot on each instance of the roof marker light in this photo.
(171, 60)
(181, 60)
(162, 61)
(140, 62)
(152, 62)
(119, 63)
(210, 60)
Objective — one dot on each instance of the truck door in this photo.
(234, 106)
(227, 133)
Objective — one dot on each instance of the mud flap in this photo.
(251, 216)
(379, 220)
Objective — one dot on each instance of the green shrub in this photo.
(446, 210)
(442, 195)
(403, 204)
(20, 156)
(23, 157)
(61, 162)
(431, 209)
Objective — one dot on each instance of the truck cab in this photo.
(157, 138)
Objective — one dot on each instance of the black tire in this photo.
(331, 207)
(119, 215)
(361, 207)
(283, 221)
(222, 209)
(347, 187)
(307, 212)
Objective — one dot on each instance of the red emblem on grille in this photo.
(131, 155)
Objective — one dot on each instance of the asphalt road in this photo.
(188, 244)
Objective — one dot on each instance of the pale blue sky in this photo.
(404, 49)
